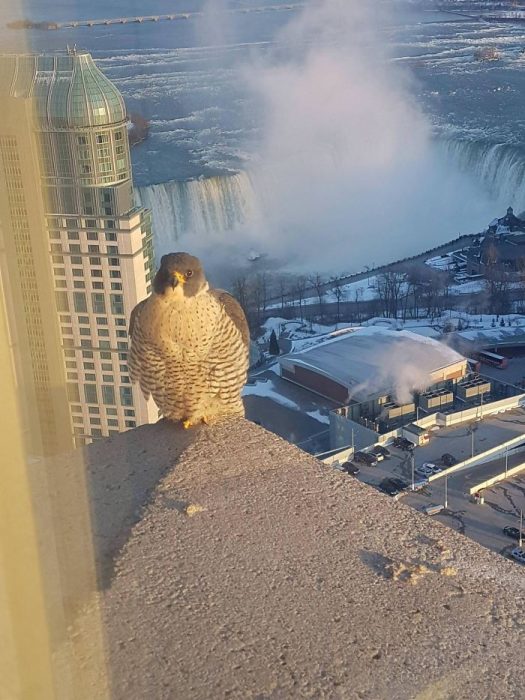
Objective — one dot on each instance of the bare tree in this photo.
(434, 291)
(498, 285)
(520, 274)
(283, 287)
(299, 290)
(258, 297)
(338, 290)
(240, 291)
(318, 283)
(389, 287)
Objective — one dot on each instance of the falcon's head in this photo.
(180, 275)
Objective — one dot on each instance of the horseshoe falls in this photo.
(217, 205)
(498, 167)
(202, 207)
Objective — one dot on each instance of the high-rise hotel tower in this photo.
(76, 254)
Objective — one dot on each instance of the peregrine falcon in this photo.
(189, 345)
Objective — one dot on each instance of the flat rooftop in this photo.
(374, 360)
(500, 336)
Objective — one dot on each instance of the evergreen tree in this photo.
(273, 348)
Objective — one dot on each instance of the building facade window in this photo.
(126, 396)
(90, 393)
(62, 301)
(73, 394)
(117, 304)
(79, 300)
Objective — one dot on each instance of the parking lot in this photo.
(482, 523)
(484, 434)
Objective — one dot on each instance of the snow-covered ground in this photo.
(304, 335)
(366, 289)
(442, 262)
(361, 290)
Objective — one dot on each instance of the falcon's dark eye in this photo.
(189, 273)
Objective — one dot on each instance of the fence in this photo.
(495, 479)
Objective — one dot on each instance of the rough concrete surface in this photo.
(255, 571)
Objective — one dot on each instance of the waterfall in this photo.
(499, 167)
(217, 206)
(203, 207)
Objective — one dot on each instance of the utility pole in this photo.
(521, 528)
(412, 463)
(472, 440)
(446, 491)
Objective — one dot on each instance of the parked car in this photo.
(403, 444)
(427, 469)
(512, 532)
(381, 452)
(350, 468)
(448, 459)
(392, 486)
(388, 488)
(365, 458)
(518, 553)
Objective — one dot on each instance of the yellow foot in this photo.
(191, 423)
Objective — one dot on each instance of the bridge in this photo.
(27, 24)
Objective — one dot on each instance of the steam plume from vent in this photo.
(403, 367)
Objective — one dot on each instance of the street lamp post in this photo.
(413, 466)
(506, 460)
(446, 491)
(521, 528)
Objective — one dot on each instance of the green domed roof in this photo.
(83, 97)
(70, 91)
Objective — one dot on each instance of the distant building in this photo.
(69, 222)
(381, 378)
(502, 244)
(368, 363)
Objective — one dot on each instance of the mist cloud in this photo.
(346, 173)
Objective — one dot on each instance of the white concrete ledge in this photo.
(255, 571)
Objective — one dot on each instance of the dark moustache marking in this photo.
(161, 281)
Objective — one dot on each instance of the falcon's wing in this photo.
(229, 353)
(145, 364)
(234, 310)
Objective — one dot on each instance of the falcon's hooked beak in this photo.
(177, 277)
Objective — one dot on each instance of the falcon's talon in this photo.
(186, 424)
